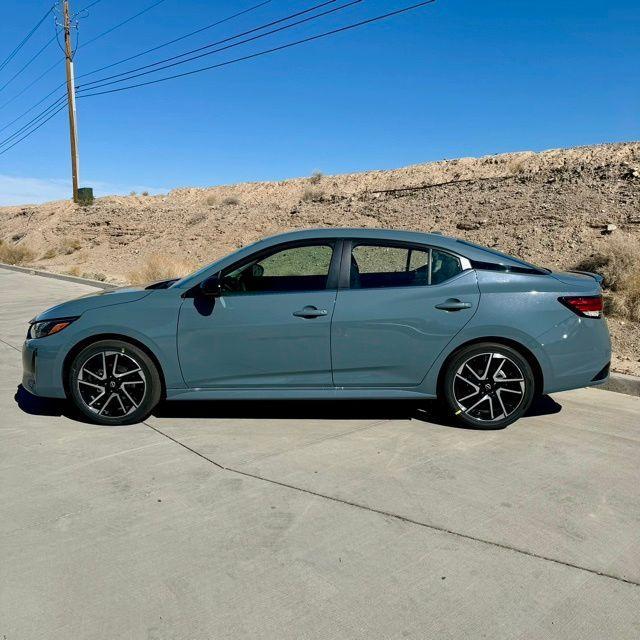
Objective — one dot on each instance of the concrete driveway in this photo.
(293, 520)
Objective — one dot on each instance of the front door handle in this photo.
(453, 304)
(310, 312)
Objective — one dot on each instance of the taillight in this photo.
(585, 306)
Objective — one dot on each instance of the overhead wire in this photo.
(56, 107)
(169, 42)
(120, 24)
(213, 44)
(30, 133)
(24, 40)
(32, 59)
(260, 53)
(43, 113)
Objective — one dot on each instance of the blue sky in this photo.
(457, 78)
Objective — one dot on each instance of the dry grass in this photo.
(160, 267)
(312, 195)
(65, 247)
(69, 245)
(15, 254)
(75, 271)
(619, 265)
(196, 219)
(211, 201)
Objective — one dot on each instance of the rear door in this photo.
(397, 308)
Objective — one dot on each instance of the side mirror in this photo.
(211, 286)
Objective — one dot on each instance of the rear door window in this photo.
(377, 265)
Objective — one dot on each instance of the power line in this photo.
(8, 82)
(264, 52)
(42, 114)
(30, 109)
(166, 44)
(213, 44)
(86, 8)
(120, 24)
(24, 40)
(42, 75)
(55, 64)
(30, 133)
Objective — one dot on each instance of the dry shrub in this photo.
(312, 195)
(145, 193)
(159, 267)
(619, 265)
(315, 177)
(15, 254)
(231, 201)
(65, 247)
(211, 201)
(75, 271)
(196, 219)
(616, 263)
(69, 245)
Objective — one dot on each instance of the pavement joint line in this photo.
(9, 345)
(405, 519)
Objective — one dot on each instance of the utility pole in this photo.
(71, 99)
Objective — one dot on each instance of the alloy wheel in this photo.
(111, 384)
(488, 387)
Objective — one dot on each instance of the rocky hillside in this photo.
(555, 208)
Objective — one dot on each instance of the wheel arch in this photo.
(85, 342)
(525, 352)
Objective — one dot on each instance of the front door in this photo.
(270, 328)
(402, 305)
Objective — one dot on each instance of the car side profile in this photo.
(330, 313)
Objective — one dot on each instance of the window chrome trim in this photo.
(465, 263)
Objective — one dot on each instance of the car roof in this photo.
(353, 232)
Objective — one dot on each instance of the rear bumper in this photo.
(579, 352)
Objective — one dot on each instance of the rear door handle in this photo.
(453, 304)
(310, 312)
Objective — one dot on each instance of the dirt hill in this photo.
(559, 208)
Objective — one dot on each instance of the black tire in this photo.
(105, 386)
(488, 386)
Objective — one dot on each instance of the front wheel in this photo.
(488, 386)
(114, 382)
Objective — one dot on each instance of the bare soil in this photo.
(551, 208)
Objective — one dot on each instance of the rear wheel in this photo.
(114, 382)
(488, 386)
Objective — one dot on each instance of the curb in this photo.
(59, 276)
(622, 383)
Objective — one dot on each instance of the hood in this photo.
(95, 300)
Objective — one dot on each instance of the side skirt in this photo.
(334, 393)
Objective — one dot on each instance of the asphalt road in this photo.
(293, 520)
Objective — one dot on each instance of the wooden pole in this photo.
(71, 100)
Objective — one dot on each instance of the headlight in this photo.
(48, 327)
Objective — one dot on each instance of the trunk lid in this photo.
(580, 278)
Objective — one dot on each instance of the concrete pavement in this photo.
(312, 520)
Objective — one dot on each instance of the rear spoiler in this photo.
(596, 276)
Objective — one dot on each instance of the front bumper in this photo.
(41, 372)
